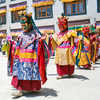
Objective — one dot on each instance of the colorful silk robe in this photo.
(29, 61)
(63, 42)
(83, 56)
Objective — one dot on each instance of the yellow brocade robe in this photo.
(85, 53)
(63, 44)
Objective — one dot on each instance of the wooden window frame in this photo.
(40, 8)
(3, 17)
(75, 2)
(14, 15)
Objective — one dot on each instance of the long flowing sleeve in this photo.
(42, 60)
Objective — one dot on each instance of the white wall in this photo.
(92, 10)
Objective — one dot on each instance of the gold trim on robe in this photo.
(85, 56)
(83, 59)
(63, 55)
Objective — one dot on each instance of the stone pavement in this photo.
(84, 85)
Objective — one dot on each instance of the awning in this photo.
(68, 0)
(42, 3)
(15, 32)
(3, 35)
(19, 6)
(47, 31)
(2, 11)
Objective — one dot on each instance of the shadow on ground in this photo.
(76, 76)
(73, 76)
(52, 74)
(44, 92)
(83, 69)
(96, 66)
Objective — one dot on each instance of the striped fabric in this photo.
(25, 65)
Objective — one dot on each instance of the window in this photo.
(2, 1)
(43, 12)
(2, 19)
(15, 17)
(75, 8)
(98, 5)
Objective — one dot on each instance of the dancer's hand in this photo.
(80, 37)
(43, 37)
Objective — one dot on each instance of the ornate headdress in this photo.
(63, 22)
